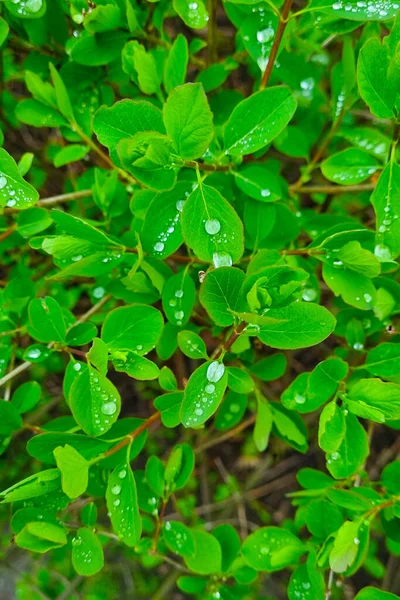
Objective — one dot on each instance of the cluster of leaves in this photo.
(218, 265)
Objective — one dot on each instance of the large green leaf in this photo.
(256, 121)
(298, 325)
(211, 227)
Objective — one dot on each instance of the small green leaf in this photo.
(220, 294)
(87, 553)
(207, 557)
(176, 64)
(349, 167)
(211, 227)
(95, 402)
(122, 504)
(136, 328)
(178, 538)
(203, 393)
(15, 192)
(188, 120)
(74, 470)
(271, 549)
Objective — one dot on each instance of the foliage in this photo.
(199, 239)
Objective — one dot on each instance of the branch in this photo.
(275, 46)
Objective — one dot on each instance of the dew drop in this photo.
(122, 474)
(210, 388)
(116, 489)
(3, 182)
(215, 371)
(159, 247)
(212, 226)
(109, 408)
(222, 259)
(179, 293)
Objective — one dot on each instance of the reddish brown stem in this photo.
(277, 41)
(134, 434)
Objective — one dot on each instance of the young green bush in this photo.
(199, 294)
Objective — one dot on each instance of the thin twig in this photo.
(275, 46)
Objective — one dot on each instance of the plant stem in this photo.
(133, 435)
(275, 46)
(64, 198)
(8, 232)
(332, 189)
(192, 164)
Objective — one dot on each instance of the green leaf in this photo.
(231, 411)
(263, 424)
(376, 394)
(207, 557)
(349, 167)
(240, 381)
(178, 538)
(211, 227)
(4, 29)
(299, 325)
(36, 114)
(258, 183)
(345, 547)
(188, 120)
(163, 236)
(271, 549)
(270, 368)
(306, 583)
(26, 396)
(372, 593)
(383, 360)
(74, 470)
(178, 298)
(46, 319)
(323, 518)
(256, 121)
(10, 419)
(176, 64)
(29, 10)
(69, 154)
(136, 328)
(15, 192)
(94, 401)
(386, 203)
(102, 18)
(62, 97)
(374, 11)
(123, 120)
(179, 467)
(135, 59)
(122, 504)
(39, 536)
(203, 393)
(193, 14)
(352, 452)
(192, 344)
(332, 428)
(356, 289)
(220, 294)
(378, 78)
(87, 553)
(357, 258)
